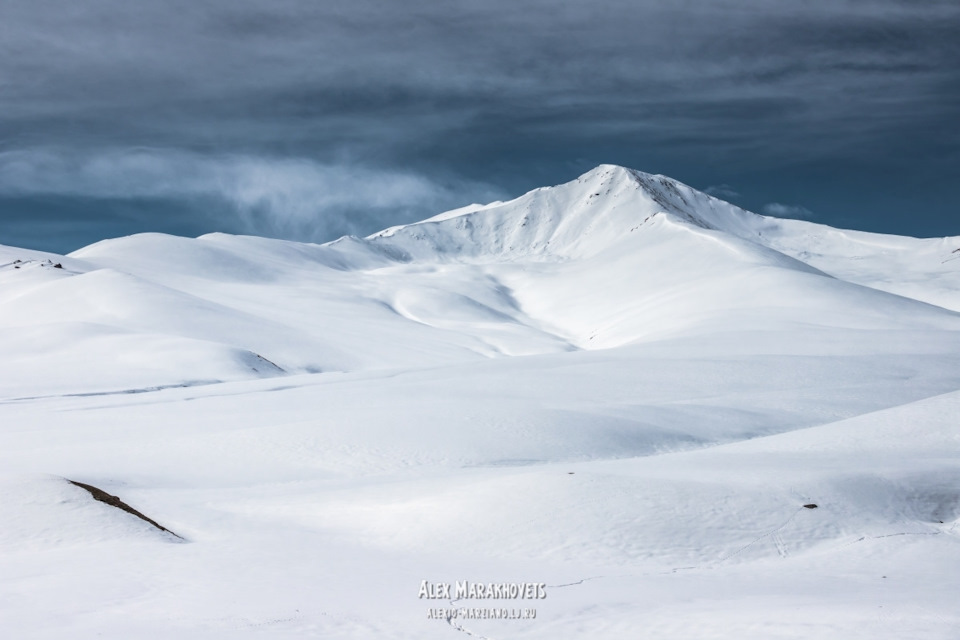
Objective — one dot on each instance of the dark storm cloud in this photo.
(303, 103)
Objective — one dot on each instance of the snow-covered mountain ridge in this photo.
(604, 206)
(614, 257)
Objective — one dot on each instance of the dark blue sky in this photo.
(308, 120)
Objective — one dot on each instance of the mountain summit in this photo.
(575, 219)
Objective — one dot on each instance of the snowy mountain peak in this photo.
(612, 173)
(578, 218)
(676, 198)
(613, 176)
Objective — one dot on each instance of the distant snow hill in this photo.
(613, 258)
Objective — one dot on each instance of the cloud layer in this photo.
(266, 97)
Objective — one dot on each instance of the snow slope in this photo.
(619, 387)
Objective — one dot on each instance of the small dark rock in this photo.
(810, 506)
(58, 266)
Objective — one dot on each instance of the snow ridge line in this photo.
(573, 584)
(120, 392)
(894, 535)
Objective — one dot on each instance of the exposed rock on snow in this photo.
(102, 496)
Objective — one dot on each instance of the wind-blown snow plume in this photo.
(294, 198)
(779, 210)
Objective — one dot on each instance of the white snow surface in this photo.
(619, 387)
